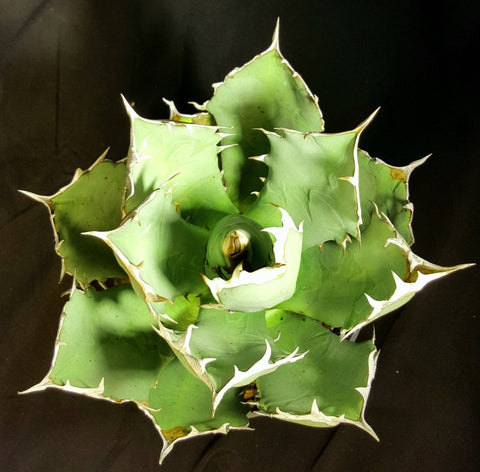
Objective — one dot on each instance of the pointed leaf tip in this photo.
(129, 108)
(276, 37)
(366, 122)
(38, 198)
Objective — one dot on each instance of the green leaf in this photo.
(313, 177)
(386, 187)
(181, 405)
(332, 281)
(183, 401)
(234, 349)
(91, 202)
(265, 93)
(183, 311)
(330, 385)
(162, 253)
(108, 349)
(161, 150)
(352, 286)
(108, 335)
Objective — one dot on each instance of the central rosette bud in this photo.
(250, 268)
(239, 241)
(235, 247)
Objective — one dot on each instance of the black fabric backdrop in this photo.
(63, 66)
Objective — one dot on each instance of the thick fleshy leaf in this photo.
(160, 150)
(265, 93)
(106, 348)
(420, 273)
(333, 281)
(314, 177)
(386, 187)
(330, 385)
(162, 253)
(91, 202)
(233, 349)
(340, 286)
(106, 337)
(181, 405)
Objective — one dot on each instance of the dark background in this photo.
(63, 65)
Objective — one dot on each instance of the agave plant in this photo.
(223, 269)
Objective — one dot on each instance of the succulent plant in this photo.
(224, 268)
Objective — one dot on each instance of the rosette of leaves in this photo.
(222, 270)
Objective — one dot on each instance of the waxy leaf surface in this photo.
(91, 202)
(265, 93)
(161, 150)
(309, 178)
(332, 282)
(162, 253)
(334, 376)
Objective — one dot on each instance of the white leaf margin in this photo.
(259, 368)
(421, 271)
(317, 418)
